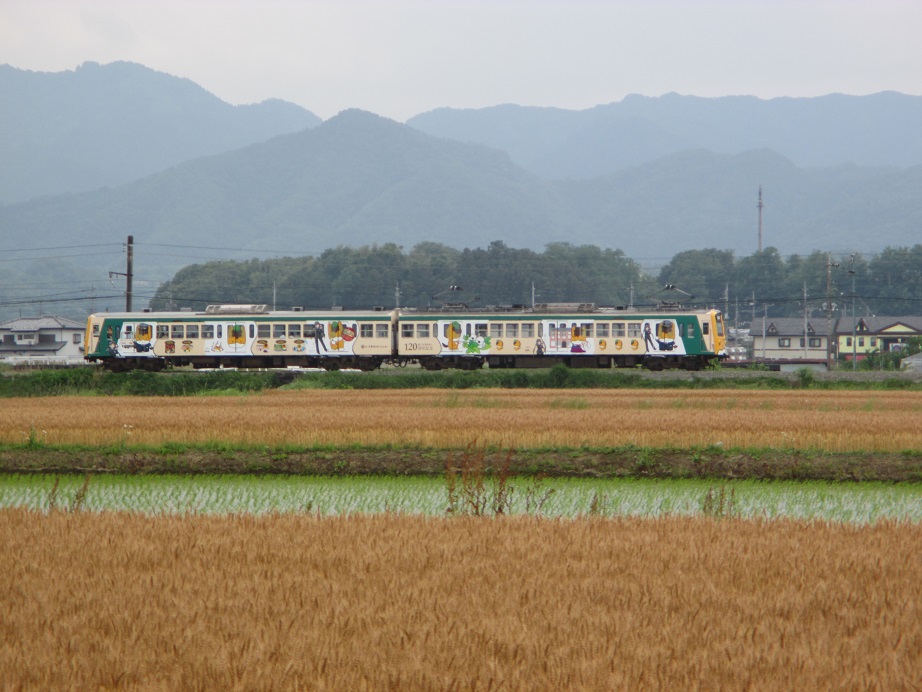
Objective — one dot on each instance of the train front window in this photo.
(720, 325)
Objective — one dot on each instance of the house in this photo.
(875, 334)
(41, 340)
(781, 341)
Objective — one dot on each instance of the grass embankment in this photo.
(713, 433)
(94, 381)
(389, 601)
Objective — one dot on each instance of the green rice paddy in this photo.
(859, 503)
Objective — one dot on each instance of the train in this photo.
(255, 337)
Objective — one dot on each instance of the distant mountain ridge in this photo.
(877, 130)
(359, 179)
(651, 177)
(104, 125)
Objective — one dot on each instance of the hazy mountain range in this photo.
(138, 152)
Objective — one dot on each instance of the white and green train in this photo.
(252, 336)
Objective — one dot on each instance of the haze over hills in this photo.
(105, 125)
(876, 130)
(361, 179)
(175, 167)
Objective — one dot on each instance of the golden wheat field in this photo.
(833, 421)
(113, 600)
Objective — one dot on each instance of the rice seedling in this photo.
(857, 503)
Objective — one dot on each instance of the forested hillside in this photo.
(501, 275)
(359, 179)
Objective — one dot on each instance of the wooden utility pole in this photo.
(760, 206)
(129, 274)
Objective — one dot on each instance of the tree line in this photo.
(432, 274)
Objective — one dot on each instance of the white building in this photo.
(41, 340)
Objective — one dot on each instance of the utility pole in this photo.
(760, 206)
(129, 274)
(830, 265)
(806, 338)
(854, 319)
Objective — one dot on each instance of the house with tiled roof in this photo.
(786, 341)
(858, 338)
(43, 339)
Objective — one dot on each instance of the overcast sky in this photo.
(398, 58)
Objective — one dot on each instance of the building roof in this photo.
(883, 323)
(35, 324)
(788, 326)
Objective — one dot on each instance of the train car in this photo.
(241, 336)
(575, 334)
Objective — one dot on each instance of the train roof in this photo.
(575, 310)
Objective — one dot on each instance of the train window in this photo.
(220, 328)
(587, 329)
(252, 330)
(208, 331)
(382, 330)
(278, 331)
(191, 331)
(177, 331)
(263, 331)
(95, 330)
(127, 330)
(541, 329)
(294, 331)
(528, 330)
(163, 331)
(496, 330)
(512, 331)
(617, 329)
(705, 328)
(406, 330)
(633, 329)
(691, 331)
(422, 331)
(601, 330)
(366, 330)
(480, 329)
